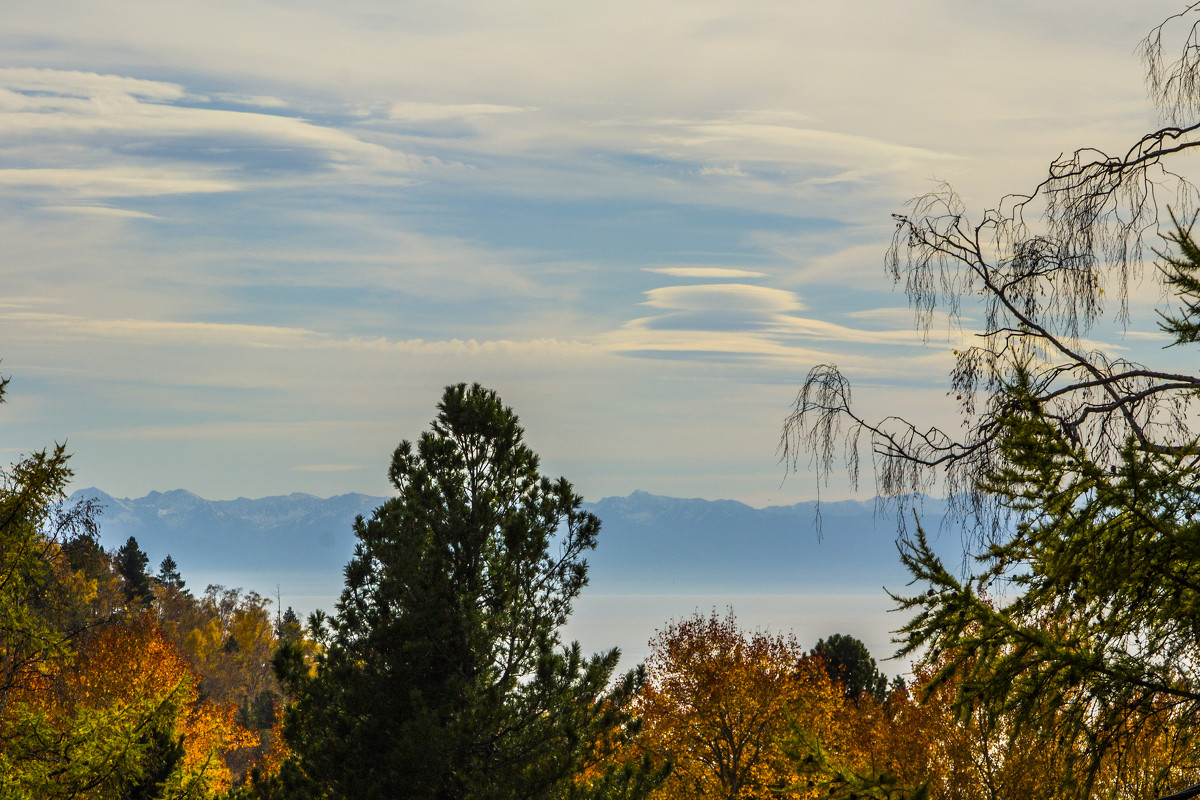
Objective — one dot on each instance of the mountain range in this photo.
(648, 543)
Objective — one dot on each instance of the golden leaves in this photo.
(719, 703)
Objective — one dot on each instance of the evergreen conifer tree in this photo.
(848, 662)
(443, 674)
(169, 575)
(1098, 642)
(131, 564)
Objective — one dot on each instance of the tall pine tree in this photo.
(444, 675)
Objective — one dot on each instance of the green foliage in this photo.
(629, 781)
(1181, 273)
(162, 754)
(94, 702)
(443, 674)
(96, 754)
(1098, 640)
(824, 776)
(28, 639)
(849, 664)
(31, 566)
(46, 752)
(289, 628)
(1074, 470)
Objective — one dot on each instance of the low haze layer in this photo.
(659, 558)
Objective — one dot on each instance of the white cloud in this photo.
(896, 315)
(26, 301)
(259, 100)
(857, 265)
(730, 171)
(705, 272)
(785, 142)
(763, 115)
(115, 181)
(740, 320)
(636, 339)
(1150, 336)
(163, 333)
(829, 331)
(428, 112)
(166, 332)
(101, 211)
(724, 297)
(124, 115)
(85, 85)
(109, 135)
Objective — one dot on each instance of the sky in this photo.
(246, 244)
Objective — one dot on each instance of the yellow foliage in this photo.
(719, 703)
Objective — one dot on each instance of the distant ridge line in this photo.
(647, 542)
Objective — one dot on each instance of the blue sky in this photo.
(247, 243)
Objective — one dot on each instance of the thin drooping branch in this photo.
(1040, 294)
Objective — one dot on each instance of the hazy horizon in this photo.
(659, 558)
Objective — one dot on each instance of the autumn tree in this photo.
(229, 637)
(86, 708)
(132, 664)
(443, 673)
(916, 745)
(919, 743)
(121, 717)
(1074, 468)
(718, 704)
(43, 602)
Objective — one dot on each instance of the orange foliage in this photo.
(131, 662)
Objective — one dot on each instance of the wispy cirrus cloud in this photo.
(97, 135)
(114, 182)
(426, 112)
(706, 272)
(162, 333)
(331, 210)
(34, 82)
(100, 211)
(762, 136)
(724, 297)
